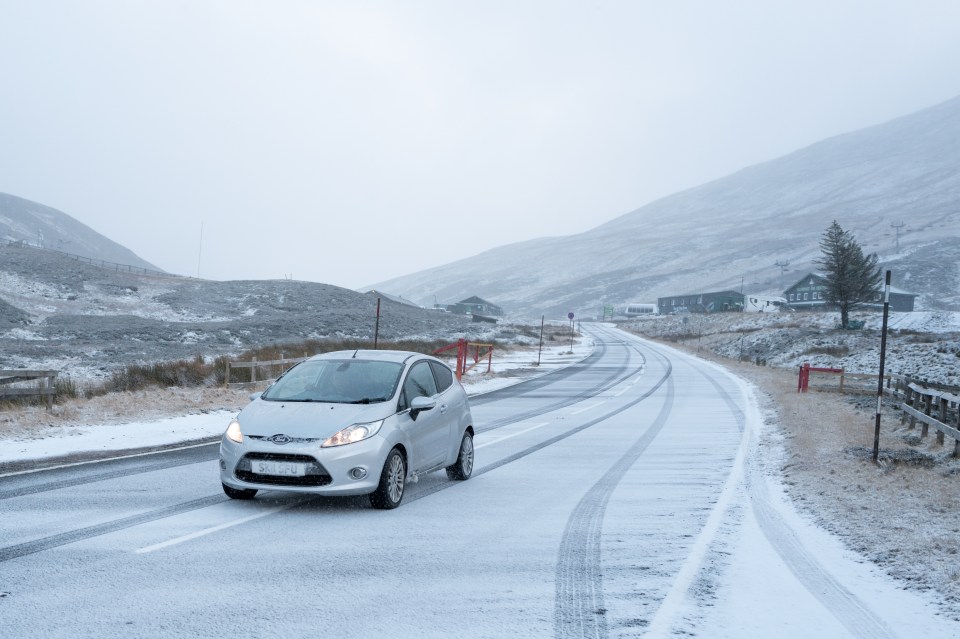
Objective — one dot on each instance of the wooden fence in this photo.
(265, 371)
(919, 404)
(39, 384)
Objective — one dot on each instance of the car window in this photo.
(443, 374)
(419, 383)
(347, 381)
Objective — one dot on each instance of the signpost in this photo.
(540, 350)
(883, 352)
(570, 317)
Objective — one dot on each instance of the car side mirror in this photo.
(420, 404)
(256, 395)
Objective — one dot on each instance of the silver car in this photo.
(351, 423)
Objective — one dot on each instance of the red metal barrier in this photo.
(803, 383)
(463, 348)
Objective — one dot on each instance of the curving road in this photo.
(619, 497)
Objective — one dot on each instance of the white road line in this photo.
(671, 606)
(585, 409)
(636, 378)
(104, 459)
(207, 531)
(500, 439)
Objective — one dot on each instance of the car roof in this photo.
(399, 357)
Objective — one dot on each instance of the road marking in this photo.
(636, 379)
(106, 459)
(585, 408)
(521, 432)
(672, 605)
(213, 529)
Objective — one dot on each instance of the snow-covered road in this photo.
(629, 495)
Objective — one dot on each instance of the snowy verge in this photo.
(56, 442)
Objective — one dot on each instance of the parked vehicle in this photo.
(351, 423)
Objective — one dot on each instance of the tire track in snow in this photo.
(578, 607)
(29, 484)
(616, 377)
(53, 541)
(845, 606)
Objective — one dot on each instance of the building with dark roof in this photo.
(716, 302)
(810, 293)
(475, 306)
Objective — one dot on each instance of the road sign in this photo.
(570, 315)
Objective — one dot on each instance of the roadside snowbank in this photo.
(59, 441)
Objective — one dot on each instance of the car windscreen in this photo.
(340, 381)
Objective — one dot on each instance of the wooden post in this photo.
(956, 445)
(912, 402)
(226, 375)
(253, 370)
(927, 405)
(943, 418)
(841, 382)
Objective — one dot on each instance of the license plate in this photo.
(281, 468)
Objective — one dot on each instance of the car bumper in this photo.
(328, 471)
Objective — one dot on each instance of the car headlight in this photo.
(353, 434)
(233, 432)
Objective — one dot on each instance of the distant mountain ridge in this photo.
(729, 233)
(25, 221)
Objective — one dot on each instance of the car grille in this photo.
(316, 474)
(290, 440)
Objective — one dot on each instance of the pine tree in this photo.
(851, 277)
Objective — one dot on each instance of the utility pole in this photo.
(897, 227)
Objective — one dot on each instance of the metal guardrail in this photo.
(46, 386)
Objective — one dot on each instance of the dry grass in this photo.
(116, 408)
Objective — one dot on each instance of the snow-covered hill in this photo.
(85, 321)
(38, 225)
(731, 232)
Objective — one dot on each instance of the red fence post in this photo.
(461, 357)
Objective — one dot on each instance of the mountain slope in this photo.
(730, 233)
(38, 225)
(86, 322)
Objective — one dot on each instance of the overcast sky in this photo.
(351, 142)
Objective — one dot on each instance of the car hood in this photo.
(307, 419)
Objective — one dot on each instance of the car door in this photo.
(454, 401)
(427, 433)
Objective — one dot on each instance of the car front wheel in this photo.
(239, 493)
(463, 467)
(389, 492)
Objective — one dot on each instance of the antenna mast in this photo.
(898, 226)
(200, 250)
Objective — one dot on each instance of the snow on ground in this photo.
(921, 344)
(754, 573)
(506, 369)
